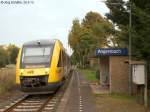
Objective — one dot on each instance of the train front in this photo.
(33, 67)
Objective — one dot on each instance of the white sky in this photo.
(44, 19)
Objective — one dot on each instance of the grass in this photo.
(113, 102)
(117, 96)
(7, 79)
(118, 103)
(90, 75)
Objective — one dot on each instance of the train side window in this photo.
(63, 58)
(60, 60)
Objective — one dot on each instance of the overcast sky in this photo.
(43, 19)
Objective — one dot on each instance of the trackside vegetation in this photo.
(8, 54)
(90, 75)
(7, 79)
(118, 103)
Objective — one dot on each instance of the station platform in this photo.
(78, 96)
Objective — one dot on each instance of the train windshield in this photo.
(36, 56)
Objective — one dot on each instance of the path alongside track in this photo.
(79, 96)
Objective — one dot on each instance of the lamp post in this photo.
(130, 42)
(130, 50)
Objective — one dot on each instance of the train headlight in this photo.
(47, 70)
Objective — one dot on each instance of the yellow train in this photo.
(42, 66)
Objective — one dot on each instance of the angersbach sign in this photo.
(111, 52)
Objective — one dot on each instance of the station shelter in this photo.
(114, 70)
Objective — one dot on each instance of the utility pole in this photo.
(145, 88)
(130, 49)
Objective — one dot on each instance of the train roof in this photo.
(41, 42)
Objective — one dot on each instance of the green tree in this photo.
(74, 34)
(101, 28)
(73, 38)
(119, 14)
(3, 57)
(140, 30)
(83, 38)
(12, 51)
(86, 44)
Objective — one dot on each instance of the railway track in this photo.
(38, 103)
(34, 103)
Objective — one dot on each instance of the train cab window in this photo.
(35, 56)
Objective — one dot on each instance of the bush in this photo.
(7, 79)
(3, 57)
(12, 51)
(90, 75)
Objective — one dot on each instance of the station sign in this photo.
(111, 52)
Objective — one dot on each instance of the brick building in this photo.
(113, 69)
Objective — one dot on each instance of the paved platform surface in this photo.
(80, 98)
(98, 89)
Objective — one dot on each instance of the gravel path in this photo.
(8, 97)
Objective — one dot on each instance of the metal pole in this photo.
(145, 87)
(130, 49)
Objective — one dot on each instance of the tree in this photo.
(12, 51)
(140, 30)
(3, 57)
(86, 44)
(86, 36)
(73, 38)
(74, 34)
(101, 28)
(118, 12)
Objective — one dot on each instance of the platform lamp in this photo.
(130, 26)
